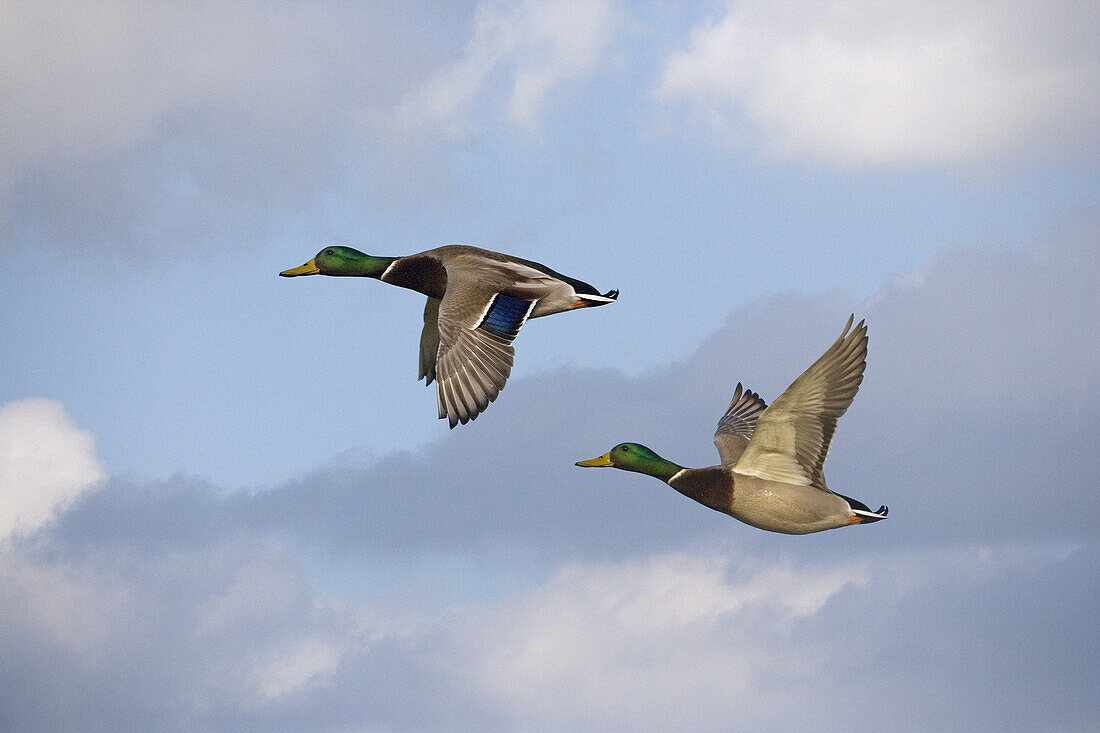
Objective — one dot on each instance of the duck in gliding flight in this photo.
(477, 302)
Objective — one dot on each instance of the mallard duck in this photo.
(771, 474)
(477, 302)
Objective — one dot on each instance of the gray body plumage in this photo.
(773, 457)
(770, 505)
(460, 349)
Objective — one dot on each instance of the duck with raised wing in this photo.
(771, 475)
(477, 302)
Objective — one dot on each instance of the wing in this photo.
(429, 341)
(792, 437)
(476, 325)
(736, 426)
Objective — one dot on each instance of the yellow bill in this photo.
(309, 268)
(604, 460)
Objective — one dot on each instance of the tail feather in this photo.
(586, 300)
(866, 517)
(863, 512)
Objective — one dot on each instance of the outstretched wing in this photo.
(476, 326)
(792, 437)
(736, 426)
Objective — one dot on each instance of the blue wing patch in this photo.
(506, 315)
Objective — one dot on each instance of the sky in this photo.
(227, 504)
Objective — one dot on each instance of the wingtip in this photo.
(455, 420)
(861, 327)
(613, 294)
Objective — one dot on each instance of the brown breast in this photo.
(423, 273)
(712, 487)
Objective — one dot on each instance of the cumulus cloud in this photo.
(46, 460)
(522, 52)
(896, 84)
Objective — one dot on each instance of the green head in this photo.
(635, 457)
(342, 262)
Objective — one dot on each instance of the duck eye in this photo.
(624, 448)
(329, 252)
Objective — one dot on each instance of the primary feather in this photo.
(792, 437)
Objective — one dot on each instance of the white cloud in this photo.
(723, 638)
(45, 461)
(521, 52)
(297, 666)
(613, 643)
(896, 84)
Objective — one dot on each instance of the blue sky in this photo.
(228, 504)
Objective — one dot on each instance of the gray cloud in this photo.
(981, 380)
(715, 636)
(138, 131)
(486, 582)
(144, 129)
